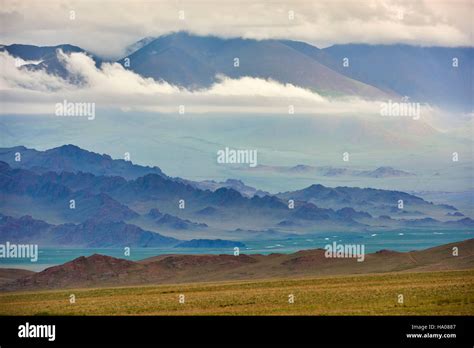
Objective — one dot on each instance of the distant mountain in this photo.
(208, 211)
(455, 214)
(234, 184)
(466, 222)
(151, 201)
(353, 214)
(46, 57)
(425, 74)
(90, 234)
(70, 158)
(373, 201)
(132, 48)
(19, 187)
(173, 222)
(38, 53)
(384, 172)
(106, 202)
(302, 169)
(155, 214)
(194, 61)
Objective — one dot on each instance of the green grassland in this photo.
(427, 293)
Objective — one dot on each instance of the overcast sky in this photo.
(107, 27)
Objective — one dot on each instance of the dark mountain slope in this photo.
(194, 61)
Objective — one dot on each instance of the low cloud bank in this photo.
(25, 90)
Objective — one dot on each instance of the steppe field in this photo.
(424, 293)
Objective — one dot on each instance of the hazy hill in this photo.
(374, 201)
(425, 74)
(25, 192)
(70, 158)
(45, 191)
(89, 234)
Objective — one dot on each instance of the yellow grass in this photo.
(429, 293)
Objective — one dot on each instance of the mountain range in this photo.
(70, 158)
(46, 57)
(90, 234)
(36, 194)
(194, 61)
(329, 171)
(424, 74)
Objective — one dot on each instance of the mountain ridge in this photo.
(372, 71)
(105, 271)
(151, 203)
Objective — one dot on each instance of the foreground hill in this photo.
(8, 275)
(101, 271)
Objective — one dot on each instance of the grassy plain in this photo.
(425, 293)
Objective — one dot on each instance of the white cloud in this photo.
(12, 77)
(106, 27)
(113, 86)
